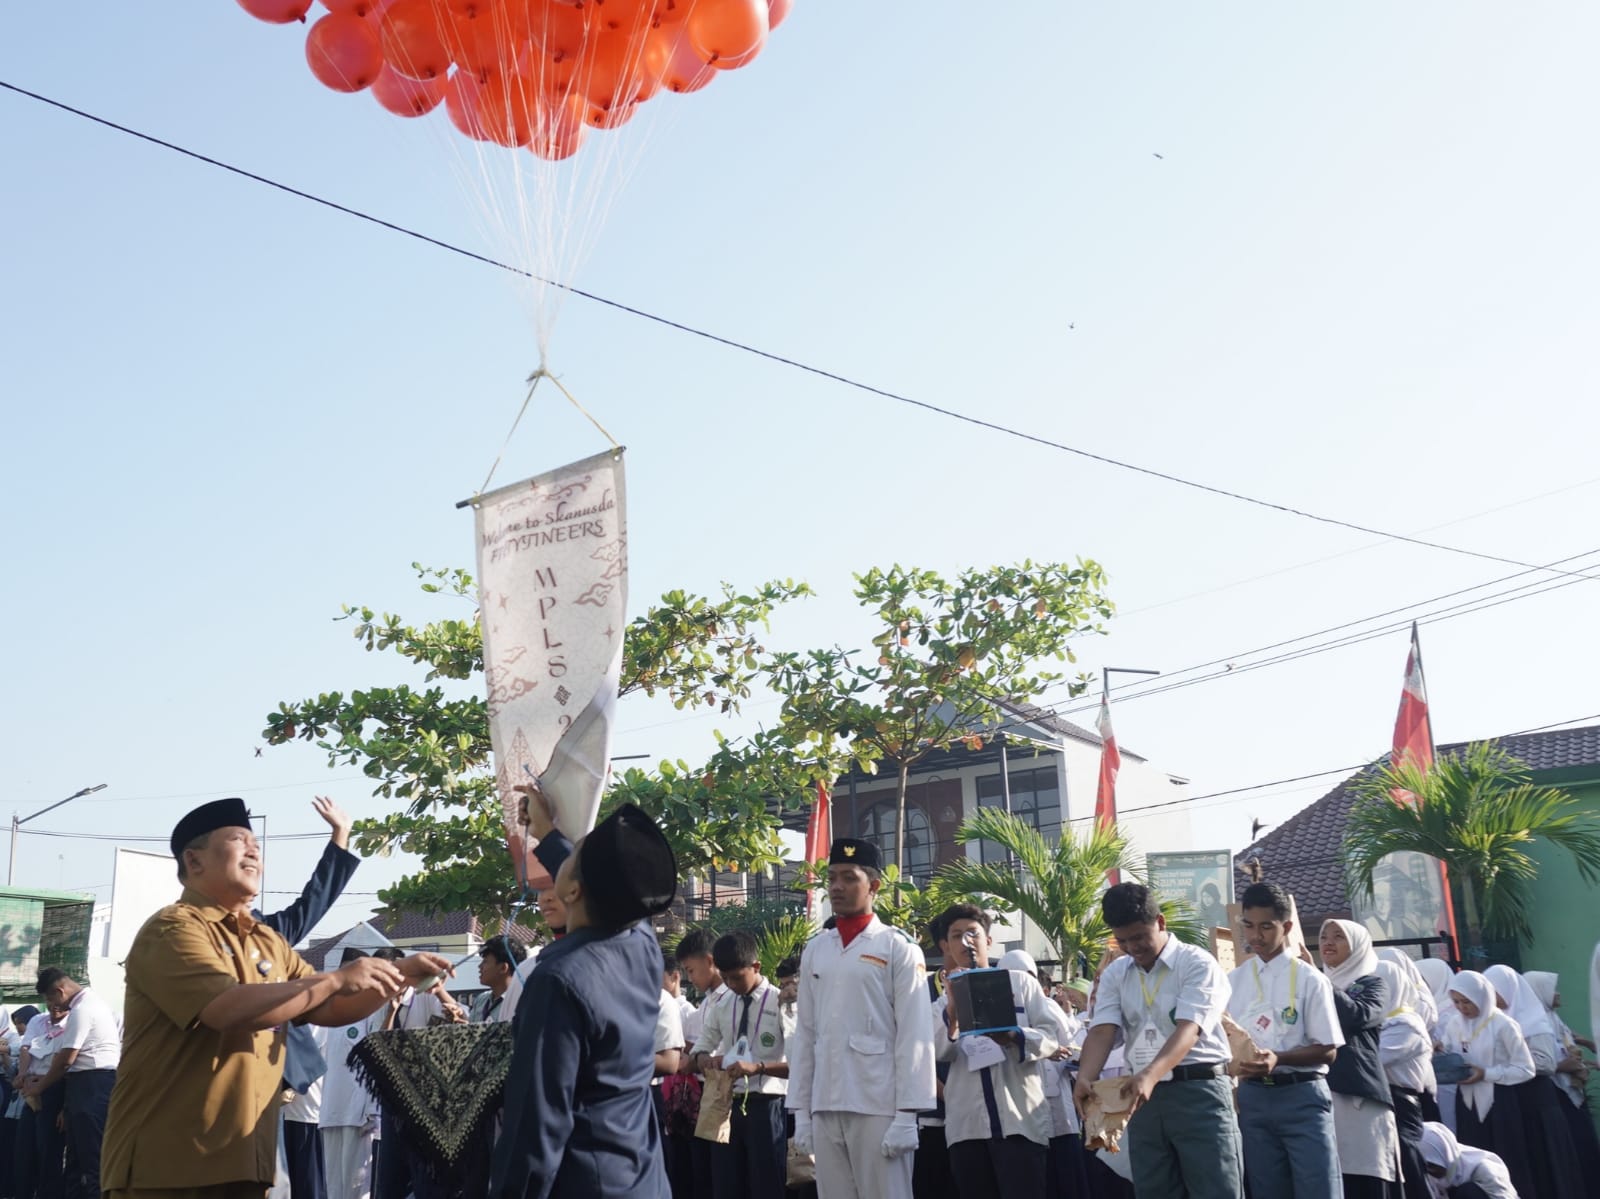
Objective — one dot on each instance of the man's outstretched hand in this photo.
(338, 820)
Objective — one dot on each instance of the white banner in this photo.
(553, 591)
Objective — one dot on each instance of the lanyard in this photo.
(1466, 1042)
(1294, 973)
(1149, 995)
(756, 1024)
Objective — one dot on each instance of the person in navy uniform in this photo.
(578, 1117)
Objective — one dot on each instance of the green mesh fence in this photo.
(39, 929)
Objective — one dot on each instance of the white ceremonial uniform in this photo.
(348, 1118)
(91, 1029)
(695, 1019)
(862, 1051)
(1184, 984)
(768, 1033)
(988, 1096)
(1285, 1004)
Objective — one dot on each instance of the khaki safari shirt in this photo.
(193, 1107)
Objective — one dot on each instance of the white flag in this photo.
(553, 588)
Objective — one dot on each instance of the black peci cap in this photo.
(847, 851)
(627, 868)
(208, 817)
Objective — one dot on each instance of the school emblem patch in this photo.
(768, 1040)
(353, 1033)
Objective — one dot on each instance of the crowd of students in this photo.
(1292, 1077)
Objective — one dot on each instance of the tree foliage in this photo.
(428, 745)
(948, 656)
(1480, 813)
(1058, 886)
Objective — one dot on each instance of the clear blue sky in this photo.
(1358, 280)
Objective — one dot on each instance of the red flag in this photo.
(1413, 746)
(1105, 797)
(819, 839)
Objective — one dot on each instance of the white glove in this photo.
(802, 1134)
(902, 1135)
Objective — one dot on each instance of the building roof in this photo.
(1302, 853)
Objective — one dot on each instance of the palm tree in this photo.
(1058, 886)
(1480, 813)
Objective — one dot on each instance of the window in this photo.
(1035, 799)
(877, 825)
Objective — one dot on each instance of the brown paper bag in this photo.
(1241, 1047)
(802, 1167)
(716, 1108)
(1105, 1116)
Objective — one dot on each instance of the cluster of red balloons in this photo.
(534, 73)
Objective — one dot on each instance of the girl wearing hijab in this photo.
(1437, 975)
(1405, 1048)
(1488, 1106)
(1461, 1172)
(1572, 1072)
(1363, 1116)
(1545, 1130)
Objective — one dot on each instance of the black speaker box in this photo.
(982, 1001)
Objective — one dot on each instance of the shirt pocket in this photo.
(865, 1044)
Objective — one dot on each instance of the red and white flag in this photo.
(1413, 746)
(819, 841)
(1413, 731)
(1105, 796)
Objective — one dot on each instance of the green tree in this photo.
(1480, 813)
(427, 746)
(1056, 886)
(949, 656)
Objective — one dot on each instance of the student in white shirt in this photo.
(498, 961)
(1462, 1173)
(746, 1035)
(997, 1123)
(347, 1118)
(1166, 999)
(1405, 1050)
(40, 1142)
(693, 955)
(86, 1059)
(1285, 1107)
(1487, 1114)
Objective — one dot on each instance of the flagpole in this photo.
(1105, 800)
(1444, 873)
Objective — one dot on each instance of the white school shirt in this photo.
(41, 1039)
(863, 1036)
(695, 1019)
(416, 1011)
(1281, 1019)
(769, 1030)
(669, 1023)
(1184, 984)
(1006, 1099)
(307, 1108)
(1406, 1051)
(92, 1030)
(1496, 1047)
(345, 1102)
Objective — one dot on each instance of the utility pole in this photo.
(16, 825)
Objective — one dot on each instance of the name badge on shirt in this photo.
(982, 1052)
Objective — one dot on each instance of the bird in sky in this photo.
(1256, 825)
(1163, 157)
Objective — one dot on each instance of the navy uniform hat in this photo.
(847, 851)
(627, 869)
(207, 818)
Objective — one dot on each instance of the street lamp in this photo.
(16, 824)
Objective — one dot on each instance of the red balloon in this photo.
(559, 130)
(733, 29)
(463, 97)
(411, 43)
(777, 10)
(672, 13)
(612, 72)
(654, 61)
(356, 8)
(481, 43)
(407, 97)
(600, 117)
(506, 111)
(686, 71)
(559, 31)
(277, 12)
(733, 64)
(343, 52)
(632, 16)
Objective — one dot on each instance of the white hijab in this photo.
(1408, 989)
(1361, 962)
(1544, 986)
(1437, 974)
(1479, 991)
(1522, 1005)
(1440, 1148)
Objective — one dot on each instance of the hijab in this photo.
(1477, 990)
(1437, 974)
(1522, 1005)
(1361, 962)
(1543, 984)
(1440, 1148)
(1407, 988)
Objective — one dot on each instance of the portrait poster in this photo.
(1407, 899)
(1204, 881)
(552, 577)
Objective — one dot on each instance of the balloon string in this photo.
(614, 443)
(533, 385)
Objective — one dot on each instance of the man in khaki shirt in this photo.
(195, 1111)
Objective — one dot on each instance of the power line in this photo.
(770, 356)
(343, 778)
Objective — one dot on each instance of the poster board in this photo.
(1202, 880)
